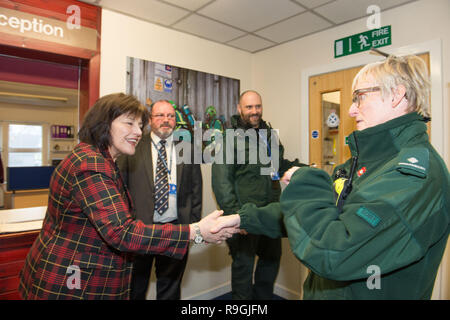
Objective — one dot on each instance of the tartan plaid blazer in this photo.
(86, 244)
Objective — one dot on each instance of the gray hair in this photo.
(409, 71)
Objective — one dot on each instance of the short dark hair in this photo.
(159, 101)
(96, 127)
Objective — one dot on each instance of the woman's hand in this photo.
(216, 228)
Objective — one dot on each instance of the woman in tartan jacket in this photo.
(86, 245)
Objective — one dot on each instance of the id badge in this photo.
(275, 176)
(172, 188)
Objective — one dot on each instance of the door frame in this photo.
(439, 132)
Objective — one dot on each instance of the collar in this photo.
(157, 139)
(237, 122)
(105, 153)
(386, 139)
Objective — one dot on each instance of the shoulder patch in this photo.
(414, 161)
(369, 216)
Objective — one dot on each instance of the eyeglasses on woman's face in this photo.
(358, 95)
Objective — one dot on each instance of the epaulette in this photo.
(413, 161)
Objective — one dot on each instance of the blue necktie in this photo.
(161, 181)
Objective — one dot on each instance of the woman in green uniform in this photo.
(378, 227)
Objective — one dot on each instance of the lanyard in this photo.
(160, 156)
(274, 174)
(269, 152)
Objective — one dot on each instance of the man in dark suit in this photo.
(162, 192)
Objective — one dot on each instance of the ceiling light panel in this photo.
(149, 10)
(313, 3)
(294, 27)
(251, 43)
(188, 4)
(341, 11)
(250, 15)
(207, 28)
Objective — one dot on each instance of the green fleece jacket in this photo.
(239, 180)
(389, 238)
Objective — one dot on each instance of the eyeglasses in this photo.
(356, 98)
(161, 115)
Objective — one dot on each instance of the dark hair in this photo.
(96, 125)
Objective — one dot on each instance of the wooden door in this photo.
(330, 97)
(323, 137)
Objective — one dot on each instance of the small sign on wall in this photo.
(315, 134)
(363, 41)
(158, 86)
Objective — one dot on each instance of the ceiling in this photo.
(249, 25)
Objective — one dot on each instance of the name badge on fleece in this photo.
(275, 176)
(172, 188)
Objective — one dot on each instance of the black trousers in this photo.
(169, 273)
(244, 283)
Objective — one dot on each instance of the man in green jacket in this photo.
(379, 230)
(250, 173)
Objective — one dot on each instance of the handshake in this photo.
(216, 228)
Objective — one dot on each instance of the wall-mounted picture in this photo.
(202, 100)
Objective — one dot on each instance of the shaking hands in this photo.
(216, 228)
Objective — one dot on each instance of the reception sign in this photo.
(27, 25)
(61, 31)
(65, 26)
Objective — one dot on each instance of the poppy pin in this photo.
(361, 171)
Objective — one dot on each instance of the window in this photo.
(25, 145)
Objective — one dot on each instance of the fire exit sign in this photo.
(363, 41)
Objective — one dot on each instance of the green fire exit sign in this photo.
(363, 41)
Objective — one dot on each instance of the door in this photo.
(330, 97)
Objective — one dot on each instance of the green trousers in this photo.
(243, 250)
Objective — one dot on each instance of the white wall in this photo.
(208, 270)
(277, 74)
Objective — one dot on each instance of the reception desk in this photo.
(25, 198)
(18, 230)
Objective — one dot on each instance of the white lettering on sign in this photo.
(380, 42)
(380, 32)
(35, 25)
